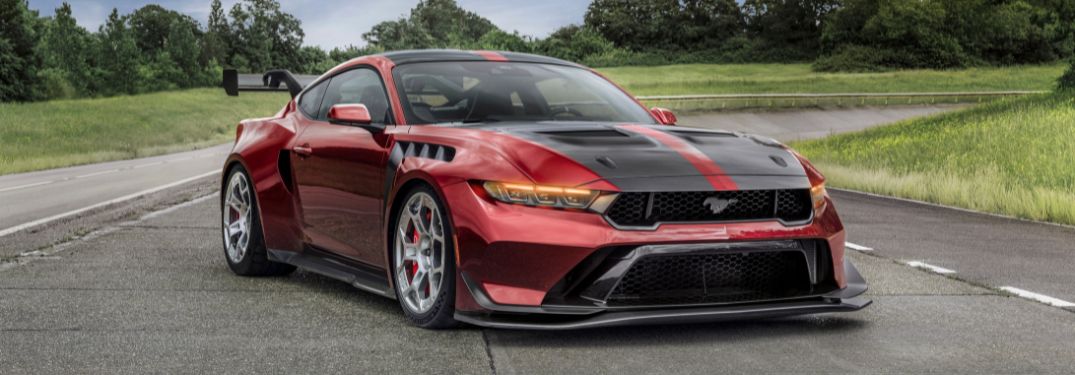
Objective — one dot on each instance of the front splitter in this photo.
(671, 316)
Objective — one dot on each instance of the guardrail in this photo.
(739, 101)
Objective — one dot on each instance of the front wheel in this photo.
(244, 242)
(423, 260)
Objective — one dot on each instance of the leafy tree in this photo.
(314, 60)
(18, 60)
(498, 40)
(263, 37)
(431, 24)
(449, 24)
(709, 23)
(340, 55)
(183, 52)
(574, 43)
(634, 24)
(118, 58)
(152, 25)
(666, 24)
(790, 29)
(66, 48)
(217, 34)
(400, 34)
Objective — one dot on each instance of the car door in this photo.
(339, 170)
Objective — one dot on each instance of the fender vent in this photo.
(283, 166)
(427, 151)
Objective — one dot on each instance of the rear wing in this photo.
(268, 82)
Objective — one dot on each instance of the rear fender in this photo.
(259, 147)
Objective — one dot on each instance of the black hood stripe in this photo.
(643, 158)
(705, 165)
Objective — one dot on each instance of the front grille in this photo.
(713, 278)
(648, 209)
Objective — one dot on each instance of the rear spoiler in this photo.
(270, 81)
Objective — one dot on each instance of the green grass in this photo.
(1014, 157)
(798, 78)
(70, 132)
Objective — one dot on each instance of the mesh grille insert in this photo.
(713, 278)
(634, 209)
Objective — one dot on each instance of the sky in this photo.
(337, 23)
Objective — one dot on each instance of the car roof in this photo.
(434, 55)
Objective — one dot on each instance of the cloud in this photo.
(337, 23)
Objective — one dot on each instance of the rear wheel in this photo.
(244, 242)
(423, 260)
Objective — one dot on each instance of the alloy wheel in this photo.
(419, 253)
(237, 217)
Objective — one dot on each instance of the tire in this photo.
(425, 249)
(244, 242)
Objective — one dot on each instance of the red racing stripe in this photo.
(491, 56)
(699, 160)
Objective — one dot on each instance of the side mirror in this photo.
(664, 116)
(354, 115)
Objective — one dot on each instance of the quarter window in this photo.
(359, 86)
(310, 102)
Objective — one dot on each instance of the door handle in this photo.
(304, 150)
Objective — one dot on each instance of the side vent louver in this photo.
(283, 165)
(427, 151)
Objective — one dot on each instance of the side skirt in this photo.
(360, 276)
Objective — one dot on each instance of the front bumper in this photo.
(554, 317)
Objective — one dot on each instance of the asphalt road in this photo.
(154, 295)
(28, 197)
(794, 125)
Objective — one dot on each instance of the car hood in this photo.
(663, 158)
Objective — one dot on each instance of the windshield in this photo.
(486, 91)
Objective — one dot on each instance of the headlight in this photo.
(538, 195)
(817, 195)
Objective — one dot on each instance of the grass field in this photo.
(69, 132)
(798, 78)
(1013, 157)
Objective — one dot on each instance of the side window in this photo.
(310, 102)
(359, 86)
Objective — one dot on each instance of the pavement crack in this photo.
(489, 352)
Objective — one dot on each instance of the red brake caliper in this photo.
(414, 263)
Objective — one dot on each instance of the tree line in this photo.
(150, 49)
(153, 48)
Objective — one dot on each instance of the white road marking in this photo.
(930, 267)
(103, 204)
(857, 247)
(26, 186)
(98, 173)
(1037, 297)
(148, 164)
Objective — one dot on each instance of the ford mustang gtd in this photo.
(520, 191)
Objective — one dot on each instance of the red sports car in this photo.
(519, 191)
